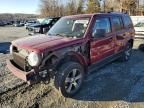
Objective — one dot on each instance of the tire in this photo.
(141, 47)
(69, 78)
(127, 53)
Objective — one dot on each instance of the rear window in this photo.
(127, 22)
(117, 23)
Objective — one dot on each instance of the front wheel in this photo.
(70, 78)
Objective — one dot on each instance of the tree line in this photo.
(72, 7)
(15, 17)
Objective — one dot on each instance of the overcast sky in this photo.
(19, 6)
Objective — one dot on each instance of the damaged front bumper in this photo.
(30, 77)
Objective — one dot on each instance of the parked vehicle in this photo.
(2, 23)
(30, 23)
(22, 23)
(72, 47)
(9, 23)
(43, 27)
(18, 24)
(139, 28)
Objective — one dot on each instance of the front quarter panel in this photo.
(78, 52)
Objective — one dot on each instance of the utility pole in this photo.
(138, 10)
(102, 2)
(104, 6)
(143, 7)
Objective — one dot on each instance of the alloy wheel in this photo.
(73, 81)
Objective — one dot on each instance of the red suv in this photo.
(73, 45)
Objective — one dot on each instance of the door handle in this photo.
(120, 36)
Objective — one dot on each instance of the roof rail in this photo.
(117, 12)
(102, 12)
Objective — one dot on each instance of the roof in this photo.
(97, 14)
(80, 15)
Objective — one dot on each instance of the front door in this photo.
(102, 43)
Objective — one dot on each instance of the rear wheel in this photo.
(70, 78)
(127, 53)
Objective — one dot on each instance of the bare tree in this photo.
(93, 6)
(80, 7)
(50, 8)
(56, 8)
(71, 8)
(128, 6)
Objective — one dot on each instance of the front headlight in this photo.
(34, 59)
(36, 30)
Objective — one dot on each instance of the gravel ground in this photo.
(117, 85)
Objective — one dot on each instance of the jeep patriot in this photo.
(72, 47)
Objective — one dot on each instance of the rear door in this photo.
(102, 42)
(129, 28)
(119, 31)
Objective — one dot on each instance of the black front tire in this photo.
(64, 75)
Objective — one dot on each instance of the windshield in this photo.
(70, 27)
(46, 21)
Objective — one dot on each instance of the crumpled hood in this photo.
(42, 42)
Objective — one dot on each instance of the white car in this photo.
(139, 28)
(29, 23)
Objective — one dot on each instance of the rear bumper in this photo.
(26, 76)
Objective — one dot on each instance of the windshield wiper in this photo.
(49, 34)
(58, 34)
(62, 35)
(55, 34)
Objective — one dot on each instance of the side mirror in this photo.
(99, 33)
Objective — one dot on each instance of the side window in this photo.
(117, 23)
(101, 27)
(127, 21)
